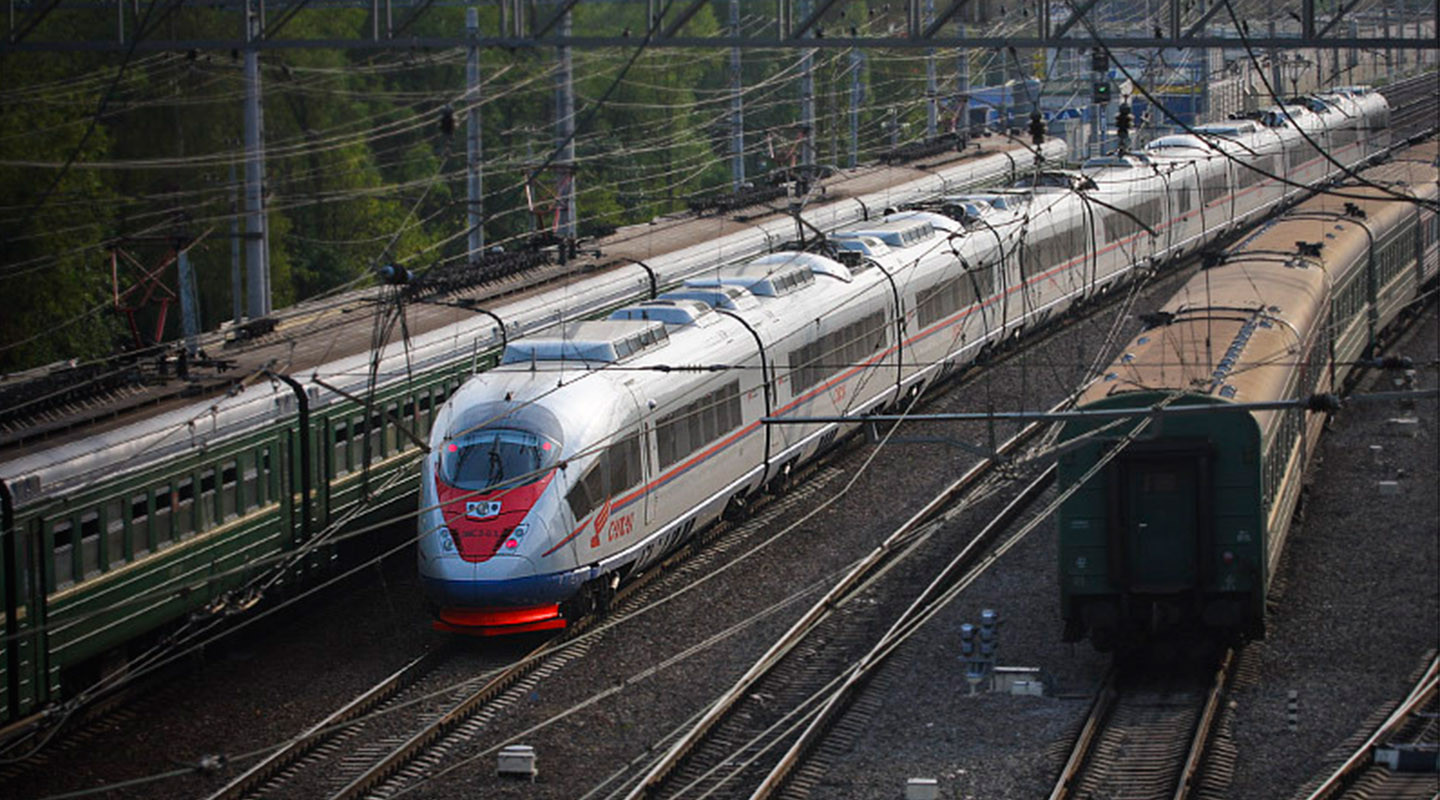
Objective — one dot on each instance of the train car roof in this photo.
(895, 232)
(816, 263)
(591, 341)
(760, 277)
(671, 312)
(1233, 331)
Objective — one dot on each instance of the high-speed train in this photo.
(593, 451)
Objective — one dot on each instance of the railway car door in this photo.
(1160, 519)
(648, 454)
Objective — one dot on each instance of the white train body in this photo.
(596, 450)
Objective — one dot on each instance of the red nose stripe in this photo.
(500, 621)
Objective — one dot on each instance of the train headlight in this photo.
(447, 542)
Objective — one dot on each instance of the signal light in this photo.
(1100, 93)
(1037, 129)
(1099, 60)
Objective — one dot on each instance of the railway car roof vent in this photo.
(1177, 141)
(731, 298)
(670, 312)
(1228, 130)
(761, 279)
(599, 341)
(817, 264)
(894, 233)
(1127, 161)
(868, 246)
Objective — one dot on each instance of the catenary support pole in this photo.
(237, 275)
(855, 99)
(962, 80)
(932, 94)
(565, 134)
(257, 255)
(474, 151)
(807, 97)
(737, 105)
(189, 313)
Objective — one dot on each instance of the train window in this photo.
(1298, 155)
(184, 517)
(339, 453)
(944, 299)
(836, 351)
(62, 538)
(394, 442)
(140, 526)
(268, 487)
(208, 500)
(162, 529)
(229, 489)
(89, 544)
(1183, 199)
(116, 537)
(624, 463)
(687, 429)
(250, 487)
(1214, 188)
(357, 439)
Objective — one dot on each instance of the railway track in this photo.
(1399, 759)
(1414, 108)
(757, 732)
(1146, 734)
(396, 731)
(384, 765)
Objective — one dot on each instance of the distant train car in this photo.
(639, 430)
(1184, 526)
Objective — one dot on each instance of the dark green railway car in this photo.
(94, 577)
(1183, 526)
(1167, 532)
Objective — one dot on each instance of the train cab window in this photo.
(496, 458)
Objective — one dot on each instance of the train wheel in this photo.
(738, 509)
(780, 484)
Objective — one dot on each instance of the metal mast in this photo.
(474, 176)
(257, 257)
(807, 97)
(932, 98)
(737, 105)
(855, 97)
(565, 135)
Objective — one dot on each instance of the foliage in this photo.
(358, 170)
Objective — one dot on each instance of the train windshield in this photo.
(493, 458)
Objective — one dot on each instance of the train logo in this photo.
(482, 509)
(602, 517)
